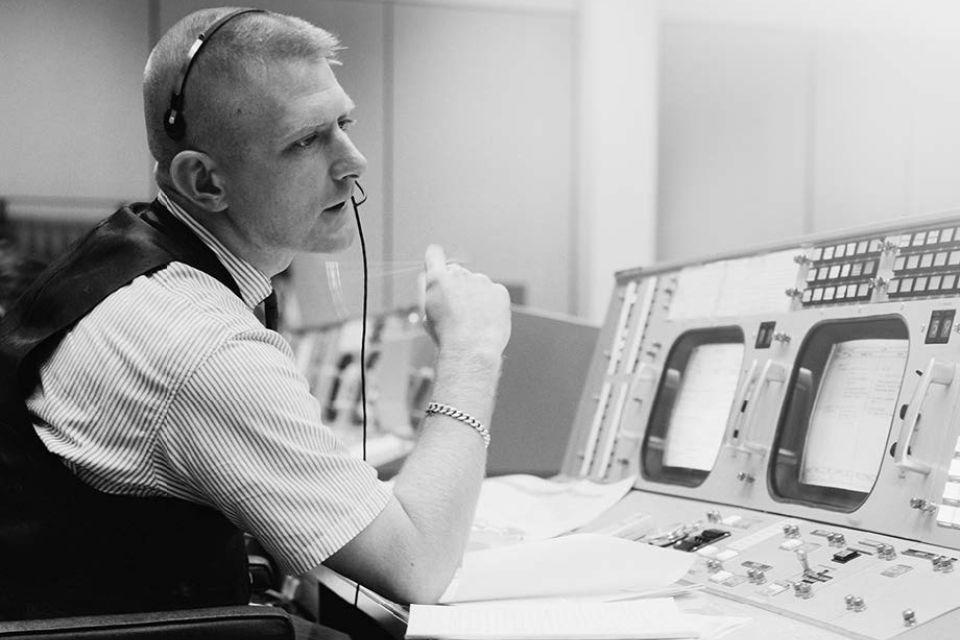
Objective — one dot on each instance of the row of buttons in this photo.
(847, 249)
(926, 260)
(922, 284)
(933, 236)
(859, 291)
(847, 270)
(947, 514)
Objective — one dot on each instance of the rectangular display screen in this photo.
(855, 404)
(699, 418)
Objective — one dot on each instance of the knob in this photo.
(848, 600)
(756, 576)
(801, 258)
(886, 552)
(909, 618)
(857, 604)
(791, 531)
(942, 563)
(836, 539)
(714, 516)
(781, 337)
(802, 590)
(743, 476)
(793, 292)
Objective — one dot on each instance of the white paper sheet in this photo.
(853, 411)
(654, 618)
(523, 507)
(577, 564)
(700, 412)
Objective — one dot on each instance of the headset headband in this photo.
(173, 122)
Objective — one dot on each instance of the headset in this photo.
(175, 126)
(173, 122)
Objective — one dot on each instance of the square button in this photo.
(807, 295)
(841, 291)
(863, 290)
(869, 267)
(913, 261)
(951, 491)
(829, 293)
(949, 281)
(828, 253)
(933, 237)
(816, 254)
(822, 273)
(935, 283)
(940, 259)
(906, 285)
(840, 251)
(893, 286)
(946, 235)
(817, 295)
(856, 269)
(920, 284)
(899, 263)
(845, 270)
(861, 247)
(954, 471)
(904, 240)
(851, 248)
(926, 260)
(919, 239)
(834, 272)
(954, 258)
(945, 515)
(729, 554)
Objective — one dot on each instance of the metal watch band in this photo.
(451, 412)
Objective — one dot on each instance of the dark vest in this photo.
(66, 548)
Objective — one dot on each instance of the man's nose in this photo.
(350, 163)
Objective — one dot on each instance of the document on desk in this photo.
(579, 564)
(521, 507)
(636, 619)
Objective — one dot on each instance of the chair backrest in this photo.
(226, 623)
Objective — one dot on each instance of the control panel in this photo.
(791, 416)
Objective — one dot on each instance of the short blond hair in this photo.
(249, 41)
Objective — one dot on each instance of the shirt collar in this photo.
(254, 286)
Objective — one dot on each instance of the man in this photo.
(166, 418)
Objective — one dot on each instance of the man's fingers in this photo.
(435, 259)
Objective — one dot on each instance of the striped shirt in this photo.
(172, 387)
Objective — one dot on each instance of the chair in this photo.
(226, 623)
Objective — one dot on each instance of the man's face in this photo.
(289, 165)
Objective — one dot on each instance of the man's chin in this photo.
(332, 243)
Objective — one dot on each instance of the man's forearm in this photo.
(439, 484)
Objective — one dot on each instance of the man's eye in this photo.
(304, 143)
(346, 124)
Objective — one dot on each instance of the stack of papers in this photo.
(521, 507)
(575, 565)
(656, 618)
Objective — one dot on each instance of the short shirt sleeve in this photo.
(244, 435)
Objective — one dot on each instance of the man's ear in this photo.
(196, 176)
